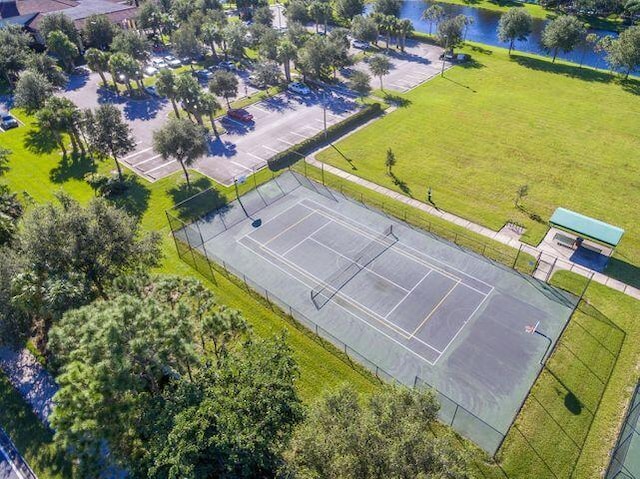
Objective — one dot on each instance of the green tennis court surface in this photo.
(422, 309)
(625, 460)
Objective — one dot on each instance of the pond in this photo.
(485, 27)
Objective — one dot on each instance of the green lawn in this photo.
(478, 133)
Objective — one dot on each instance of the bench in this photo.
(564, 240)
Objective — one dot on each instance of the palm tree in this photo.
(211, 34)
(287, 53)
(209, 105)
(433, 14)
(388, 25)
(405, 27)
(166, 86)
(98, 61)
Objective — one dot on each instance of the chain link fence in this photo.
(192, 231)
(624, 465)
(10, 450)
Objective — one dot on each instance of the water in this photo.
(485, 30)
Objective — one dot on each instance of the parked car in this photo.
(360, 44)
(227, 65)
(82, 70)
(254, 81)
(172, 61)
(150, 70)
(204, 75)
(153, 91)
(299, 88)
(7, 121)
(240, 114)
(159, 63)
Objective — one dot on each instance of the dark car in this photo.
(7, 121)
(240, 114)
(204, 75)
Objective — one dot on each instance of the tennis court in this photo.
(420, 308)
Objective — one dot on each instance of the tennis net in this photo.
(322, 294)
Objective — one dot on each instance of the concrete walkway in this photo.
(548, 261)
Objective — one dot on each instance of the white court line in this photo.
(135, 165)
(462, 326)
(13, 466)
(305, 239)
(270, 149)
(432, 312)
(161, 166)
(311, 286)
(366, 268)
(284, 230)
(348, 222)
(375, 316)
(408, 293)
(136, 153)
(299, 203)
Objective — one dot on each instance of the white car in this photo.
(159, 63)
(150, 70)
(360, 44)
(299, 88)
(82, 70)
(172, 61)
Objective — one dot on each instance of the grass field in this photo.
(478, 133)
(568, 423)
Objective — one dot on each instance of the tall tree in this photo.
(380, 66)
(387, 7)
(267, 72)
(31, 91)
(14, 50)
(297, 12)
(131, 43)
(60, 116)
(390, 161)
(224, 84)
(10, 212)
(348, 9)
(150, 18)
(364, 29)
(234, 39)
(211, 33)
(99, 31)
(186, 43)
(263, 15)
(450, 32)
(72, 254)
(109, 134)
(58, 21)
(61, 47)
(434, 14)
(166, 86)
(125, 65)
(360, 82)
(189, 92)
(46, 66)
(181, 140)
(405, 28)
(380, 436)
(287, 52)
(515, 24)
(209, 106)
(315, 57)
(319, 11)
(624, 52)
(98, 61)
(563, 33)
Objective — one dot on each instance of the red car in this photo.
(240, 114)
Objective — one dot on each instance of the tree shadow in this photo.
(401, 184)
(195, 201)
(396, 100)
(345, 157)
(135, 197)
(40, 142)
(623, 271)
(480, 49)
(460, 84)
(73, 166)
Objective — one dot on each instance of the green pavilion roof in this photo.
(586, 226)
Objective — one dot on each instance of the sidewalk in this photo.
(556, 263)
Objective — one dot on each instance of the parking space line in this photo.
(136, 153)
(312, 128)
(260, 109)
(298, 134)
(234, 121)
(255, 156)
(135, 165)
(240, 165)
(161, 166)
(287, 142)
(270, 149)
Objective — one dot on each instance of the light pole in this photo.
(444, 54)
(324, 113)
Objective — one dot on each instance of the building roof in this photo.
(586, 226)
(21, 20)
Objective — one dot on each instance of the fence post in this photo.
(484, 250)
(322, 173)
(546, 280)
(586, 287)
(455, 238)
(454, 415)
(515, 261)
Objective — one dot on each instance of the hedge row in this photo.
(291, 155)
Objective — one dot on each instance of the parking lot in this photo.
(278, 123)
(417, 64)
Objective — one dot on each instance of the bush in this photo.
(293, 154)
